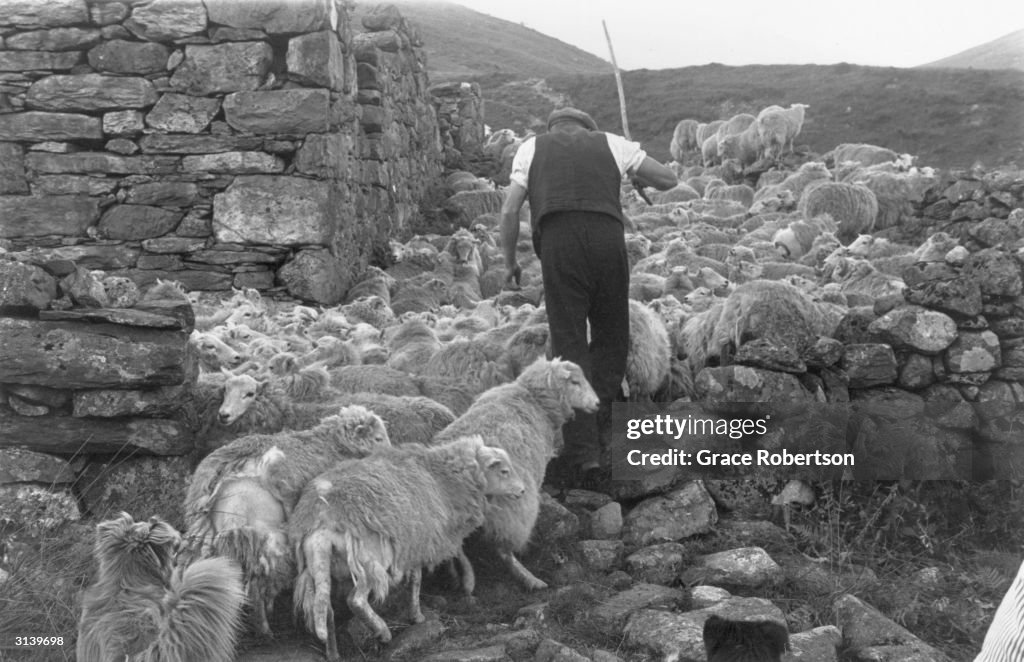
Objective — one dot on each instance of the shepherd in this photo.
(571, 176)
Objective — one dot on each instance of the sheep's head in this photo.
(500, 477)
(214, 349)
(240, 391)
(362, 431)
(715, 281)
(563, 380)
(282, 364)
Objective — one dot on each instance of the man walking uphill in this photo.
(571, 176)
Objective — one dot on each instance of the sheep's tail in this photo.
(369, 562)
(263, 554)
(203, 614)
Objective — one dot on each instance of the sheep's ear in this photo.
(362, 428)
(227, 373)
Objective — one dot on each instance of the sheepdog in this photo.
(142, 608)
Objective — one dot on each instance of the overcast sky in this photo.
(662, 34)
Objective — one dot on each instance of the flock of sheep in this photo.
(361, 443)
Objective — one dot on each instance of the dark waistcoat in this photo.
(573, 172)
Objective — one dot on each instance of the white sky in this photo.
(664, 34)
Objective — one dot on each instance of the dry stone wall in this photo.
(218, 143)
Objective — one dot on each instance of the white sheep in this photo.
(743, 146)
(375, 521)
(852, 206)
(777, 128)
(734, 125)
(861, 153)
(409, 419)
(759, 309)
(684, 139)
(213, 352)
(524, 418)
(241, 495)
(705, 131)
(410, 345)
(647, 360)
(795, 240)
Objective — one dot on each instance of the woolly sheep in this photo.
(647, 360)
(684, 139)
(525, 346)
(758, 309)
(705, 131)
(411, 346)
(377, 520)
(734, 125)
(423, 298)
(409, 419)
(777, 129)
(856, 275)
(461, 180)
(241, 495)
(795, 240)
(681, 192)
(709, 151)
(372, 282)
(301, 384)
(248, 405)
(372, 310)
(332, 352)
(852, 206)
(213, 352)
(743, 146)
(452, 393)
(527, 415)
(738, 192)
(864, 154)
(476, 363)
(935, 247)
(645, 287)
(896, 193)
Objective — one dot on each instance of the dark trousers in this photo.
(586, 278)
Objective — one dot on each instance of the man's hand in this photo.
(513, 277)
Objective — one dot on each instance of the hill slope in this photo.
(947, 117)
(1006, 52)
(462, 43)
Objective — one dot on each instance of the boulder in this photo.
(90, 92)
(680, 514)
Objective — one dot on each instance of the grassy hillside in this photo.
(947, 117)
(462, 43)
(1007, 52)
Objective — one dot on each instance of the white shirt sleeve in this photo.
(522, 161)
(628, 154)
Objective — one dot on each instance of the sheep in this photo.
(705, 131)
(864, 154)
(744, 146)
(250, 406)
(870, 247)
(896, 192)
(823, 246)
(709, 151)
(856, 275)
(852, 206)
(462, 247)
(301, 384)
(935, 247)
(679, 282)
(411, 346)
(372, 282)
(777, 128)
(372, 310)
(141, 608)
(409, 419)
(332, 352)
(423, 298)
(681, 192)
(701, 299)
(684, 139)
(460, 180)
(213, 352)
(475, 362)
(525, 346)
(252, 316)
(795, 240)
(374, 521)
(796, 182)
(644, 287)
(758, 309)
(527, 415)
(647, 361)
(734, 125)
(744, 641)
(738, 192)
(241, 495)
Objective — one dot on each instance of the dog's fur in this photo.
(144, 609)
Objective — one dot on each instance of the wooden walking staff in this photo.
(622, 106)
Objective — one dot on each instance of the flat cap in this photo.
(569, 113)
